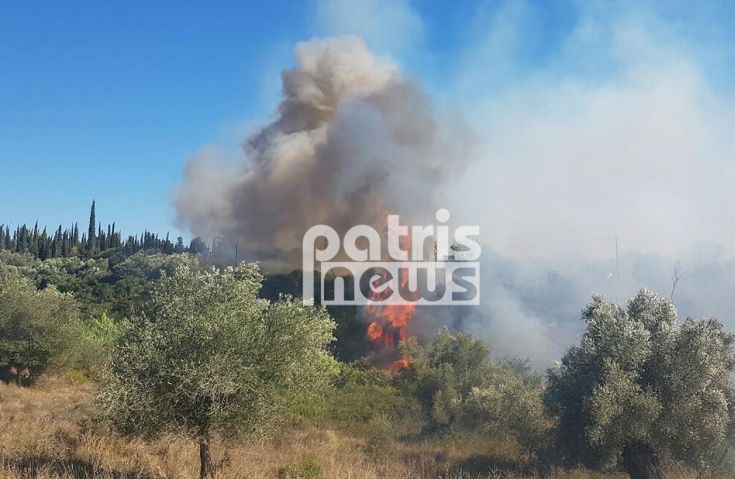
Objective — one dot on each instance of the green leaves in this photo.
(37, 328)
(462, 389)
(207, 354)
(621, 412)
(639, 378)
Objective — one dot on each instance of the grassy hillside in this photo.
(46, 432)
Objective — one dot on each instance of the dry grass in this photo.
(45, 433)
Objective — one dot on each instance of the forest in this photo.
(145, 358)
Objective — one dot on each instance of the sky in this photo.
(107, 101)
(587, 121)
(591, 119)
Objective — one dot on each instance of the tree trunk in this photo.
(206, 469)
(641, 462)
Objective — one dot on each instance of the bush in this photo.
(207, 355)
(641, 386)
(362, 400)
(511, 406)
(308, 469)
(443, 378)
(38, 329)
(380, 444)
(15, 265)
(98, 339)
(462, 390)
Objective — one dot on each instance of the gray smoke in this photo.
(353, 139)
(565, 160)
(532, 308)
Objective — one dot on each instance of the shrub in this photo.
(38, 329)
(207, 355)
(640, 386)
(308, 469)
(362, 400)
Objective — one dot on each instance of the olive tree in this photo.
(13, 265)
(443, 377)
(511, 405)
(641, 387)
(207, 355)
(37, 329)
(462, 389)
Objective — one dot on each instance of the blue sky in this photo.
(108, 100)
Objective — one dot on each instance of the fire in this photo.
(391, 323)
(398, 365)
(375, 331)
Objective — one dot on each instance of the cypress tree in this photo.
(33, 246)
(101, 238)
(91, 230)
(179, 248)
(56, 246)
(21, 244)
(65, 244)
(43, 245)
(46, 247)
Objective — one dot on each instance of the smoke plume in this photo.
(353, 139)
(617, 129)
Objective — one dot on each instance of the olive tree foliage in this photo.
(511, 406)
(38, 329)
(463, 389)
(443, 377)
(109, 285)
(641, 387)
(14, 265)
(206, 354)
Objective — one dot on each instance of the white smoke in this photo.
(353, 139)
(618, 130)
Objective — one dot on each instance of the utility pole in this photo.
(617, 260)
(617, 254)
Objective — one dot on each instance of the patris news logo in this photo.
(416, 265)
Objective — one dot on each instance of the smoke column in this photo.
(353, 138)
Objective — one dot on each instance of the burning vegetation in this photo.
(389, 324)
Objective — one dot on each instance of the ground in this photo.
(46, 432)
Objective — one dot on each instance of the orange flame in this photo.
(391, 320)
(375, 331)
(398, 365)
